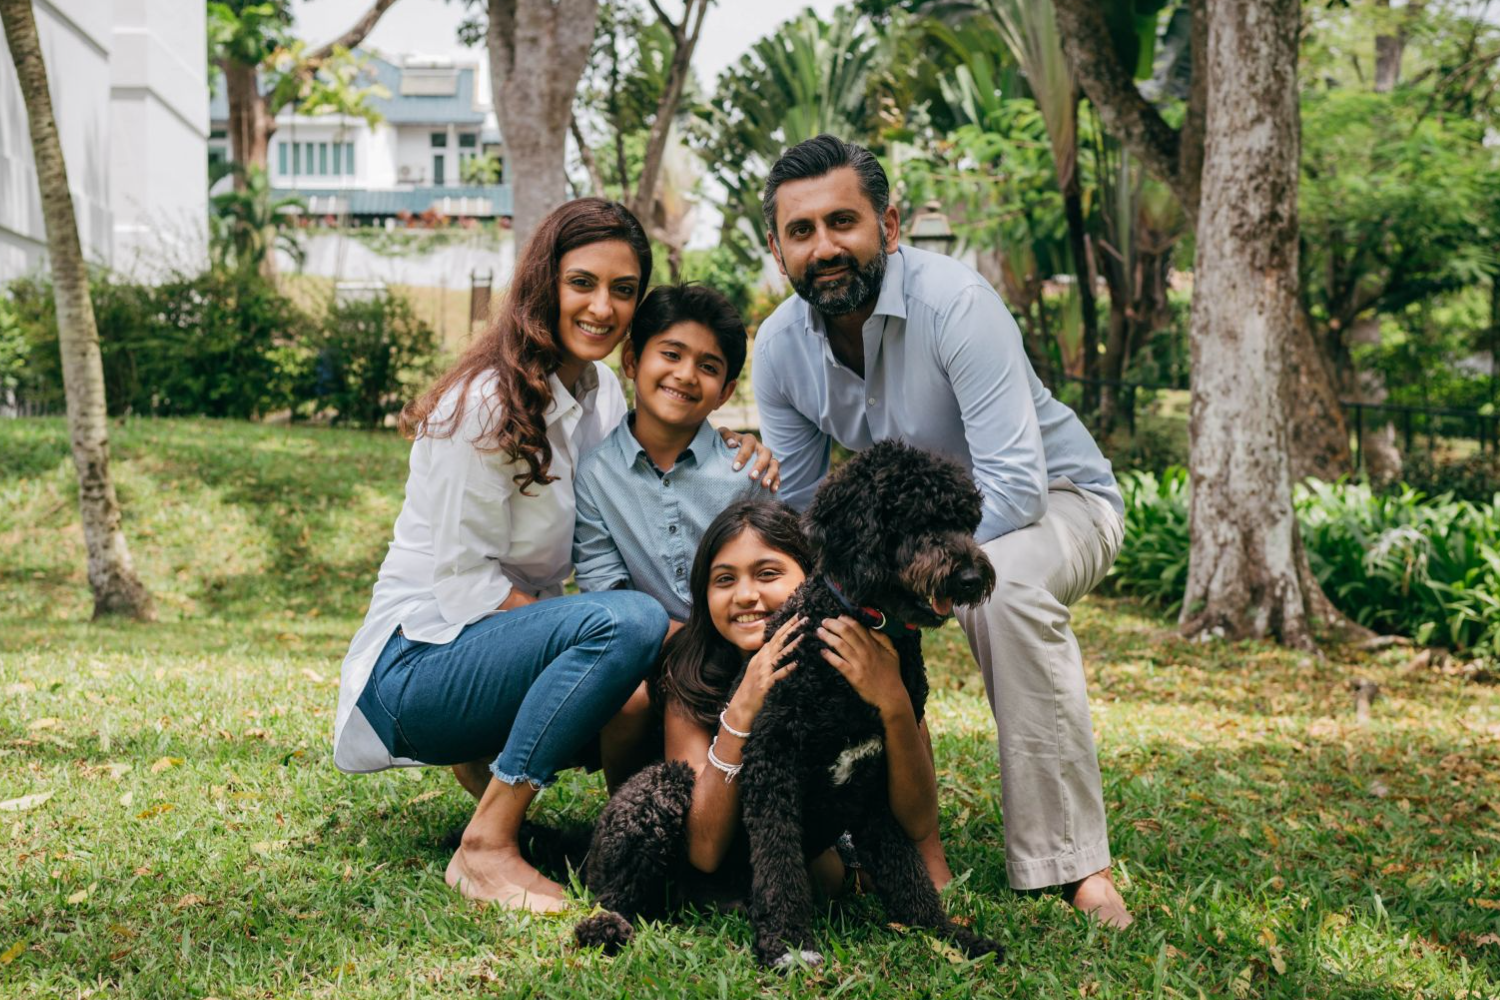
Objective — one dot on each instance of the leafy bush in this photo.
(14, 350)
(370, 357)
(1399, 563)
(1153, 562)
(1403, 563)
(1475, 478)
(220, 344)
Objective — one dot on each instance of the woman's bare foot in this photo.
(502, 876)
(1096, 894)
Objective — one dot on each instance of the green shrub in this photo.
(1475, 478)
(1153, 562)
(219, 344)
(1398, 563)
(370, 357)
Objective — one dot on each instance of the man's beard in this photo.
(849, 292)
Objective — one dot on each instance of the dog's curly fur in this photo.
(892, 529)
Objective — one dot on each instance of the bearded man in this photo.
(887, 341)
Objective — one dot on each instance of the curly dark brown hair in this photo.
(521, 346)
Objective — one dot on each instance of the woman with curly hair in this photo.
(469, 655)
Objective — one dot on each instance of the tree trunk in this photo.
(537, 51)
(250, 123)
(1088, 311)
(1381, 457)
(1247, 575)
(1319, 434)
(112, 577)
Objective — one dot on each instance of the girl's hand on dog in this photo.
(761, 674)
(867, 660)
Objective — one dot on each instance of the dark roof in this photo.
(415, 201)
(457, 108)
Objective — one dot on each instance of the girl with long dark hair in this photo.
(752, 557)
(469, 656)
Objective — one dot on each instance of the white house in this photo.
(435, 119)
(129, 90)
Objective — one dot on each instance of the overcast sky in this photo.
(429, 27)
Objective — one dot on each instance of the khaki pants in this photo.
(1033, 672)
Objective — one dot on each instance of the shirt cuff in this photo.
(468, 595)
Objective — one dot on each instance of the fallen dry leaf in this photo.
(1484, 939)
(127, 798)
(426, 796)
(267, 846)
(46, 723)
(1485, 904)
(191, 899)
(156, 810)
(162, 763)
(946, 950)
(12, 953)
(25, 802)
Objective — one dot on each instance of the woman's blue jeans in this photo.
(529, 688)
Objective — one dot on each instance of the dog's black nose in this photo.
(969, 578)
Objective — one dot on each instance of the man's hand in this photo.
(763, 468)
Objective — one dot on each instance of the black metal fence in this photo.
(1412, 423)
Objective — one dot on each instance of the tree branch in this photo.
(667, 20)
(596, 180)
(1109, 84)
(355, 34)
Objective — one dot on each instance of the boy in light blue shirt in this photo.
(648, 491)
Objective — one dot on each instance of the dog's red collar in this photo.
(869, 617)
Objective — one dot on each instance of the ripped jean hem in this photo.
(515, 779)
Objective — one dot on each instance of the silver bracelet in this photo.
(730, 729)
(730, 770)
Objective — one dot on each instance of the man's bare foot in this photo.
(503, 877)
(1096, 894)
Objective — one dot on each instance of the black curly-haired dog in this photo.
(892, 535)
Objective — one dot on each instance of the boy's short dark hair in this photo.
(667, 305)
(820, 155)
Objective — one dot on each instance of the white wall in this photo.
(127, 79)
(159, 153)
(75, 39)
(414, 151)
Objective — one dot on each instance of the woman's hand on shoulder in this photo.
(868, 660)
(764, 469)
(769, 665)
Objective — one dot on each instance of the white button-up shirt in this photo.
(466, 535)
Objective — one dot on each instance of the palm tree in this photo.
(808, 77)
(117, 589)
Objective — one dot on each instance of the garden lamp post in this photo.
(930, 229)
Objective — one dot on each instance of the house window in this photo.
(323, 158)
(349, 158)
(296, 158)
(437, 169)
(338, 158)
(467, 140)
(281, 157)
(440, 140)
(309, 157)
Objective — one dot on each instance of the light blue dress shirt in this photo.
(944, 370)
(639, 527)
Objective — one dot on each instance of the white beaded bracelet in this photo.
(730, 729)
(730, 770)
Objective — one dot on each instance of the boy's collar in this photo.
(700, 447)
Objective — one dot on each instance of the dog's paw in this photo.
(609, 931)
(793, 959)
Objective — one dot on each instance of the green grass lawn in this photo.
(182, 832)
